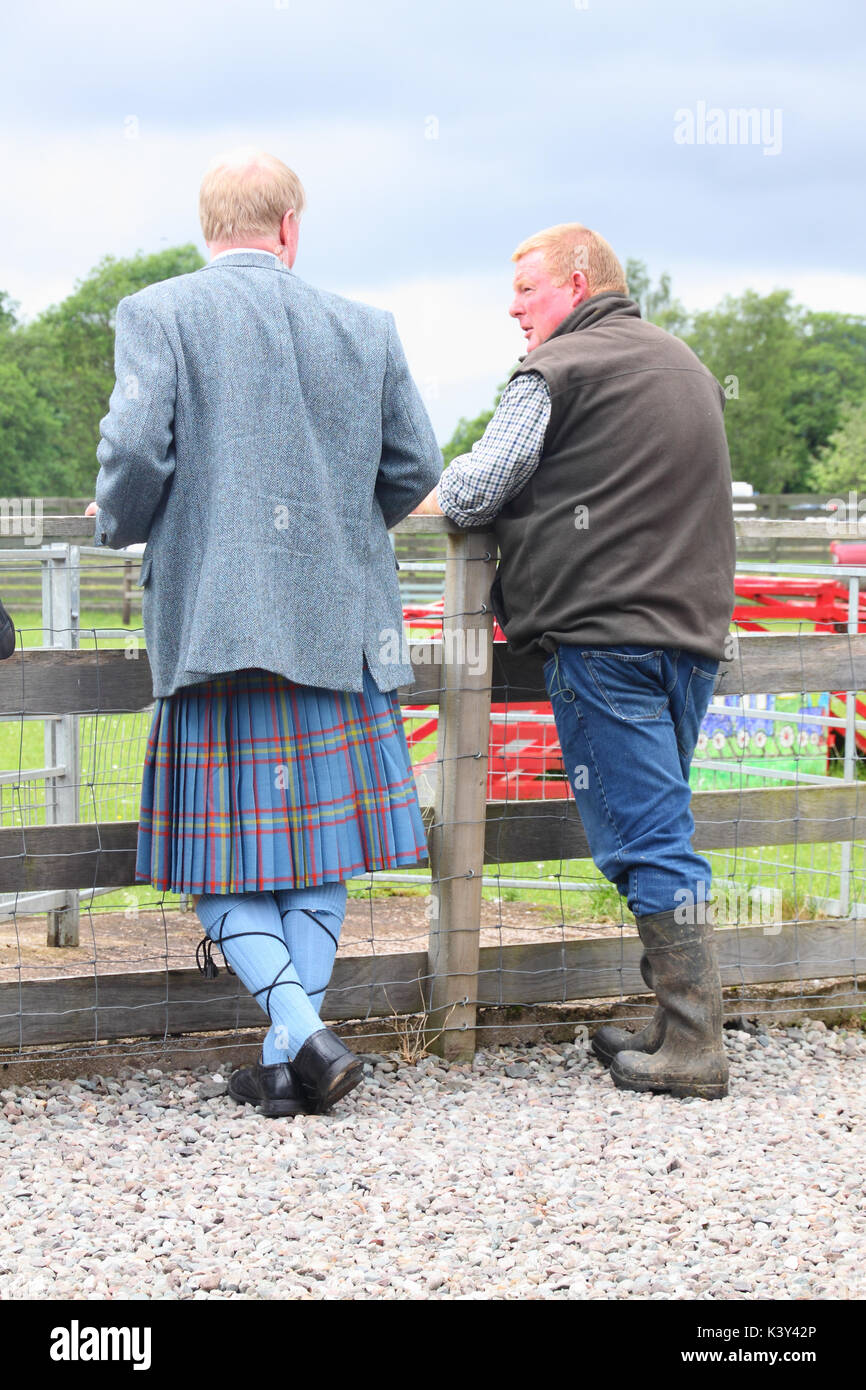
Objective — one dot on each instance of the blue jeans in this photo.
(628, 720)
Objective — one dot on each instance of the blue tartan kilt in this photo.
(254, 782)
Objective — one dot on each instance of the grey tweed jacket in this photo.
(262, 436)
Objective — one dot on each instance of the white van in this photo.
(743, 490)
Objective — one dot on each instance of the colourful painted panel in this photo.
(756, 734)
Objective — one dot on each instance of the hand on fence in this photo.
(429, 506)
(91, 509)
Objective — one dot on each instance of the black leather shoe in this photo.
(7, 634)
(326, 1070)
(274, 1089)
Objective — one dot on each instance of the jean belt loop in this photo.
(556, 663)
(564, 689)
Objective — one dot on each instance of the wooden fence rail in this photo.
(454, 976)
(108, 582)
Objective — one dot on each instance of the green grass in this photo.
(31, 632)
(803, 872)
(22, 745)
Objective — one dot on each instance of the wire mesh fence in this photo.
(509, 927)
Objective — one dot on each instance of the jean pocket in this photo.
(699, 693)
(703, 674)
(630, 683)
(702, 684)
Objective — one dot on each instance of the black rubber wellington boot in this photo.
(685, 971)
(608, 1040)
(326, 1069)
(274, 1089)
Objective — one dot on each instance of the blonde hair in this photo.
(246, 193)
(570, 246)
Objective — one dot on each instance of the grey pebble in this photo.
(446, 1182)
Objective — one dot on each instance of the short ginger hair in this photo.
(246, 193)
(570, 246)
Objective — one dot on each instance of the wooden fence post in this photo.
(61, 612)
(773, 514)
(126, 609)
(457, 835)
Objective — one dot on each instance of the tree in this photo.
(29, 436)
(468, 432)
(751, 346)
(8, 312)
(656, 305)
(67, 354)
(841, 465)
(830, 370)
(788, 372)
(29, 432)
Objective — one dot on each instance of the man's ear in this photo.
(289, 236)
(580, 286)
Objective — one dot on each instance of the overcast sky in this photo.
(432, 137)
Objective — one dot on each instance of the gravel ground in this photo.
(527, 1175)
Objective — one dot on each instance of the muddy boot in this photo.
(608, 1040)
(691, 1061)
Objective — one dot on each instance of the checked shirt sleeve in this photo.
(476, 486)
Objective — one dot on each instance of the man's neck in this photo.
(221, 248)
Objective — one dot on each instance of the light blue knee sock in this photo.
(312, 919)
(248, 929)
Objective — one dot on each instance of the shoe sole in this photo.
(274, 1109)
(341, 1079)
(709, 1090)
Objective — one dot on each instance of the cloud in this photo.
(539, 116)
(123, 187)
(703, 286)
(459, 340)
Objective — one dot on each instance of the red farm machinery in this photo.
(525, 762)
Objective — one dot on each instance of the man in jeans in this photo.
(605, 475)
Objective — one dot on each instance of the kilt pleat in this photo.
(254, 782)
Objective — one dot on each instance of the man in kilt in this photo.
(262, 437)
